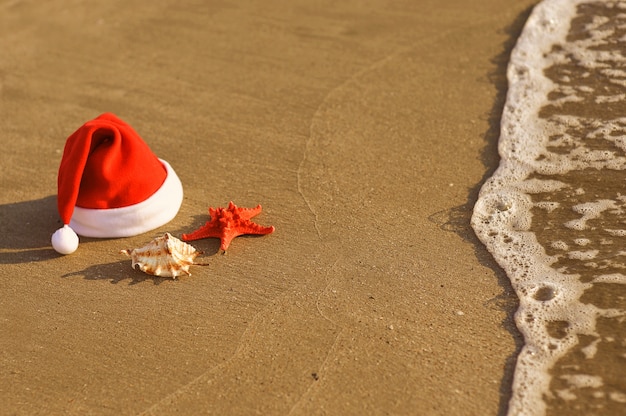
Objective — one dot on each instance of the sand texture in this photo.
(363, 128)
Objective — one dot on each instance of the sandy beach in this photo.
(364, 129)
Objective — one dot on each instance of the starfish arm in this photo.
(210, 229)
(214, 212)
(247, 213)
(226, 238)
(252, 228)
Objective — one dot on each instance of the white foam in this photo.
(617, 396)
(590, 350)
(547, 205)
(616, 233)
(559, 245)
(611, 278)
(583, 380)
(589, 211)
(583, 255)
(502, 215)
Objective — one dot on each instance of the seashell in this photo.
(164, 256)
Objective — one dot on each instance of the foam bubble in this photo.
(616, 233)
(583, 255)
(583, 380)
(559, 245)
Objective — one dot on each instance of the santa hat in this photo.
(112, 185)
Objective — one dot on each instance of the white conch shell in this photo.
(164, 256)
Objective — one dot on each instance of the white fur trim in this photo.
(154, 212)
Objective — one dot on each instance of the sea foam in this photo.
(551, 213)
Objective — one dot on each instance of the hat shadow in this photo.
(26, 228)
(116, 272)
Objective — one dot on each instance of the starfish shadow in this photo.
(116, 272)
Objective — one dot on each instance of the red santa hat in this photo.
(112, 185)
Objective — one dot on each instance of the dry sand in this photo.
(363, 128)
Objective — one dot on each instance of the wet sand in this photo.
(365, 132)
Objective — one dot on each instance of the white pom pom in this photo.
(65, 240)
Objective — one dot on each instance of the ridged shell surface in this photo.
(165, 256)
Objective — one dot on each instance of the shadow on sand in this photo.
(26, 228)
(457, 219)
(116, 272)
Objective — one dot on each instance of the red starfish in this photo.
(228, 223)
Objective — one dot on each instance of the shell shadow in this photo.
(116, 272)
